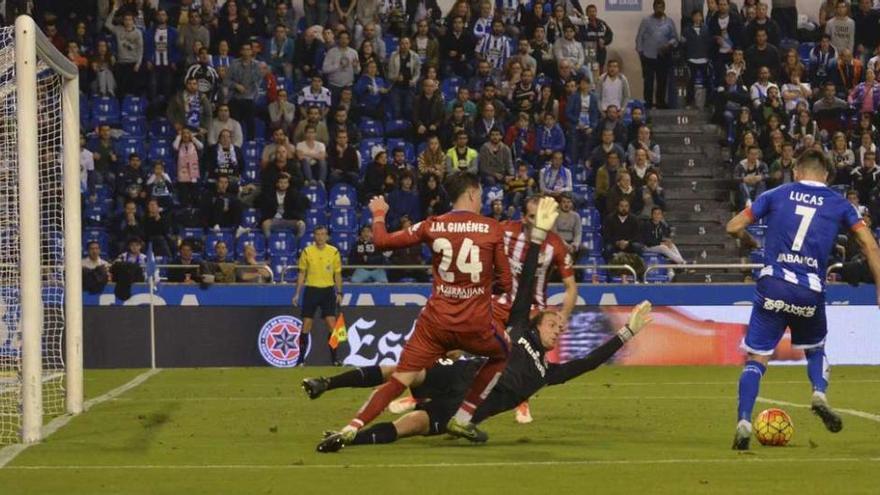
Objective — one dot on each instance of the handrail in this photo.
(237, 267)
(833, 267)
(707, 266)
(286, 268)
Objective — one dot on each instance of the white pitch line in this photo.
(347, 399)
(596, 462)
(851, 412)
(7, 454)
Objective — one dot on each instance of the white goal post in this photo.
(47, 163)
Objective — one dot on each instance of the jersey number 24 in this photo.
(467, 261)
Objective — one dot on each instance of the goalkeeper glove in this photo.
(639, 318)
(545, 218)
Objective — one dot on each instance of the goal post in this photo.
(46, 130)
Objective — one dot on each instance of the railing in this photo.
(287, 268)
(833, 268)
(198, 269)
(707, 266)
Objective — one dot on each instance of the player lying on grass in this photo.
(803, 219)
(439, 390)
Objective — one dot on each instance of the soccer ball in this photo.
(773, 427)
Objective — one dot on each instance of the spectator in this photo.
(521, 138)
(568, 225)
(842, 159)
(343, 161)
(698, 42)
(314, 95)
(520, 186)
(371, 90)
(606, 145)
(866, 20)
(252, 270)
(495, 160)
(280, 56)
(404, 201)
(555, 178)
(283, 163)
(611, 120)
(456, 49)
(433, 196)
(279, 140)
(220, 265)
(133, 253)
(283, 208)
(313, 119)
(404, 68)
(341, 64)
(364, 252)
(658, 237)
(623, 189)
(582, 113)
(828, 110)
(188, 149)
(865, 97)
(93, 260)
(463, 99)
(605, 177)
(157, 229)
(457, 122)
(281, 112)
(749, 139)
(597, 33)
(644, 142)
(621, 232)
(461, 157)
(129, 51)
(373, 183)
(730, 98)
(524, 56)
(161, 56)
(408, 256)
(763, 21)
(224, 121)
(206, 76)
(570, 49)
(866, 145)
(131, 181)
(432, 160)
(761, 54)
(427, 110)
(803, 125)
(190, 32)
(496, 211)
(761, 87)
(101, 67)
(549, 138)
(650, 194)
(865, 126)
(224, 158)
(613, 87)
(795, 92)
(222, 208)
(159, 186)
(104, 155)
(640, 168)
(782, 169)
(190, 108)
(726, 28)
(312, 154)
(752, 175)
(495, 47)
(866, 177)
(189, 271)
(842, 28)
(823, 60)
(245, 77)
(485, 124)
(399, 165)
(655, 40)
(370, 34)
(848, 74)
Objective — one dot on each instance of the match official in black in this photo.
(320, 272)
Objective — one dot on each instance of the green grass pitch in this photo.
(618, 430)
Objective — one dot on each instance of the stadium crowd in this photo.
(212, 126)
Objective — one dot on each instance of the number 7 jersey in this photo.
(803, 220)
(468, 259)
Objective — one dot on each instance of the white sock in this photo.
(744, 423)
(463, 417)
(819, 395)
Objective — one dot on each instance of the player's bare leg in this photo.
(523, 413)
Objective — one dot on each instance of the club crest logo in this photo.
(279, 341)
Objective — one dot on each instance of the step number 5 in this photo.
(467, 261)
(807, 213)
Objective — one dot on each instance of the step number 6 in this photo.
(467, 261)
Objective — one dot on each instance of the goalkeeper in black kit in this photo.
(439, 390)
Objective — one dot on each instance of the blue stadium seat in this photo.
(249, 218)
(282, 242)
(391, 44)
(192, 233)
(214, 237)
(592, 274)
(317, 196)
(408, 149)
(84, 110)
(259, 130)
(251, 151)
(315, 217)
(366, 148)
(343, 219)
(161, 128)
(804, 50)
(343, 242)
(255, 239)
(397, 128)
(135, 126)
(104, 110)
(306, 240)
(591, 220)
(287, 84)
(343, 194)
(160, 149)
(103, 191)
(583, 194)
(279, 262)
(250, 176)
(127, 146)
(365, 217)
(95, 214)
(591, 243)
(449, 87)
(134, 106)
(96, 235)
(371, 128)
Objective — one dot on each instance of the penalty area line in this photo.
(7, 454)
(851, 412)
(595, 462)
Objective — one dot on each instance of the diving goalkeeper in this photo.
(439, 390)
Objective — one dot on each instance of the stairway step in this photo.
(694, 137)
(699, 194)
(712, 256)
(694, 228)
(676, 216)
(670, 182)
(678, 117)
(658, 130)
(709, 277)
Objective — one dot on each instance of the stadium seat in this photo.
(287, 84)
(593, 274)
(251, 151)
(343, 241)
(306, 240)
(590, 219)
(279, 262)
(591, 243)
(315, 217)
(259, 130)
(408, 149)
(391, 44)
(160, 149)
(583, 194)
(134, 106)
(343, 194)
(365, 217)
(135, 127)
(250, 176)
(95, 214)
(161, 128)
(127, 146)
(192, 233)
(343, 219)
(96, 235)
(317, 196)
(397, 128)
(104, 110)
(255, 239)
(282, 242)
(449, 87)
(214, 237)
(804, 50)
(371, 128)
(366, 148)
(492, 193)
(249, 218)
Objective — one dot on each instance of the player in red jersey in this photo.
(468, 259)
(553, 252)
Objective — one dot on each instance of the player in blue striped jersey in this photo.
(803, 219)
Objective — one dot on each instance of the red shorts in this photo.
(427, 344)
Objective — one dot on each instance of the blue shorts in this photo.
(779, 305)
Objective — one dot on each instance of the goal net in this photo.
(39, 244)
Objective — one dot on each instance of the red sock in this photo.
(377, 402)
(483, 383)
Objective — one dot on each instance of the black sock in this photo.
(371, 376)
(376, 434)
(304, 341)
(333, 355)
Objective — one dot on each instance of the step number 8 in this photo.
(467, 261)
